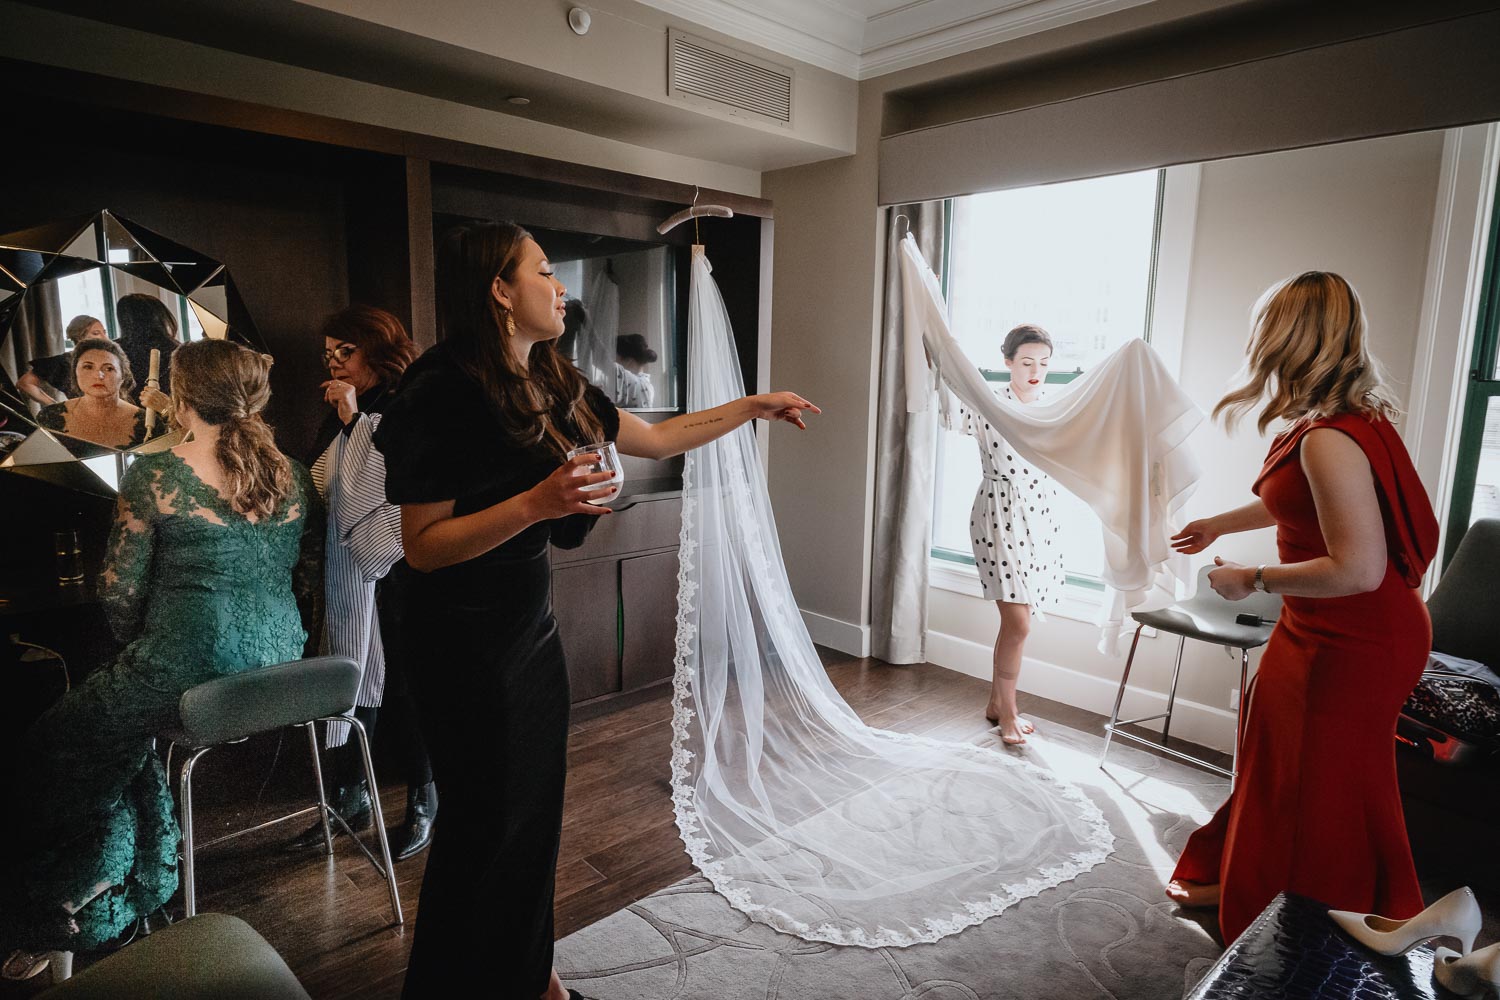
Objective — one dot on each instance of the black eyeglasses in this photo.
(341, 353)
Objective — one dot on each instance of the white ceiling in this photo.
(865, 38)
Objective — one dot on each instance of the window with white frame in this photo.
(1079, 260)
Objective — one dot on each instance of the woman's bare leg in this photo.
(1015, 626)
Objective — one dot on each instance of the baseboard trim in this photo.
(1202, 724)
(835, 633)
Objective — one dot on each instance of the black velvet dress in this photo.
(491, 688)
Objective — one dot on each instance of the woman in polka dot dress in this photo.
(1014, 530)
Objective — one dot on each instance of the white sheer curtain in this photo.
(804, 818)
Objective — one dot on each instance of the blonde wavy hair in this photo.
(228, 386)
(1307, 356)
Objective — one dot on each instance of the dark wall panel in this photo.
(1438, 75)
(273, 210)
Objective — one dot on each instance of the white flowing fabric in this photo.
(1115, 438)
(802, 817)
(595, 347)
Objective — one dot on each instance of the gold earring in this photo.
(510, 325)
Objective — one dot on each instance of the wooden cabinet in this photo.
(586, 601)
(648, 619)
(615, 598)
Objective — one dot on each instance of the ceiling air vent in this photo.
(703, 72)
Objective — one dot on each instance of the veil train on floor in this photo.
(803, 817)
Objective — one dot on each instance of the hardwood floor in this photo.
(330, 918)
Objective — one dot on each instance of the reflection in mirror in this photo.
(91, 310)
(619, 328)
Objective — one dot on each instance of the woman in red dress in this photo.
(1315, 809)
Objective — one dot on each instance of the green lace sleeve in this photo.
(132, 542)
(307, 575)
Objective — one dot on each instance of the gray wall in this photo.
(826, 290)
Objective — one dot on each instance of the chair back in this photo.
(266, 698)
(1465, 616)
(1204, 600)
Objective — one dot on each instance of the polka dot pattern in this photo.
(1012, 523)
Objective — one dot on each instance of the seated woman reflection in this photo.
(101, 411)
(633, 388)
(50, 377)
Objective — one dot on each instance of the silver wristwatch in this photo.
(1260, 579)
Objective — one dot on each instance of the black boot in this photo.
(351, 802)
(415, 832)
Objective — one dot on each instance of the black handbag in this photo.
(1454, 718)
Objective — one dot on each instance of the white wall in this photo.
(1363, 209)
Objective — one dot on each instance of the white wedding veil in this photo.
(802, 817)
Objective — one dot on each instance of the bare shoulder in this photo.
(1329, 453)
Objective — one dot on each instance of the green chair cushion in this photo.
(268, 698)
(212, 956)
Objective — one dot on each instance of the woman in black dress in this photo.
(475, 447)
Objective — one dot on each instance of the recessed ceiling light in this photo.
(518, 100)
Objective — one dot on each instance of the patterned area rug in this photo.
(1109, 933)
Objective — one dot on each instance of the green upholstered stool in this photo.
(209, 957)
(299, 693)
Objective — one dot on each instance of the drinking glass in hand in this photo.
(609, 461)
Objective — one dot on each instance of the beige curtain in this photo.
(906, 452)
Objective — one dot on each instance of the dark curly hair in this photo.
(387, 347)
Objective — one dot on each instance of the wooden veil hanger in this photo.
(694, 212)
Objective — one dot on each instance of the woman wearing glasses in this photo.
(366, 351)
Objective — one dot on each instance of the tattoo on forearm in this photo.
(700, 423)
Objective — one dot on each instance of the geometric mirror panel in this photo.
(91, 276)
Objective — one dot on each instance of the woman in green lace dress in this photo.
(211, 542)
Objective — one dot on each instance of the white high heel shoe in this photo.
(1472, 975)
(1456, 915)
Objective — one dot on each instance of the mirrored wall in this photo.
(621, 327)
(91, 310)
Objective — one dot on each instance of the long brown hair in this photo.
(145, 317)
(388, 349)
(1308, 356)
(539, 404)
(127, 378)
(228, 386)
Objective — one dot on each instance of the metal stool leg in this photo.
(387, 867)
(312, 739)
(1172, 692)
(1114, 717)
(1239, 717)
(189, 880)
